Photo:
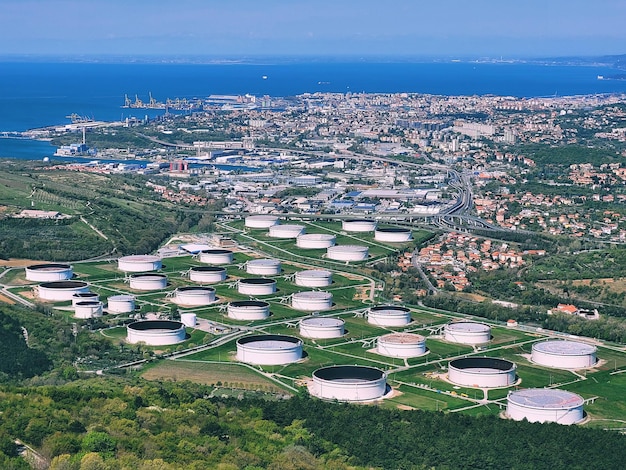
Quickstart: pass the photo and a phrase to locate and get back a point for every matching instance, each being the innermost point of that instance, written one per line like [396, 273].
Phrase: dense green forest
[128, 424]
[53, 240]
[545, 155]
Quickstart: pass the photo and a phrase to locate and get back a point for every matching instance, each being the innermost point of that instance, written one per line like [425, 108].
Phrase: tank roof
[316, 273]
[348, 373]
[154, 325]
[63, 285]
[402, 338]
[322, 321]
[48, 267]
[564, 347]
[313, 295]
[208, 269]
[467, 326]
[270, 341]
[257, 281]
[249, 303]
[264, 262]
[483, 363]
[140, 258]
[545, 398]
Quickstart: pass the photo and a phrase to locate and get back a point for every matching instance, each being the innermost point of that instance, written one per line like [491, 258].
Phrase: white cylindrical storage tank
[315, 240]
[194, 295]
[58, 291]
[248, 310]
[49, 272]
[482, 372]
[358, 225]
[311, 301]
[314, 278]
[261, 221]
[401, 345]
[216, 256]
[347, 252]
[263, 267]
[88, 309]
[84, 297]
[348, 383]
[256, 286]
[139, 263]
[269, 349]
[389, 315]
[392, 234]
[322, 327]
[545, 405]
[562, 354]
[148, 281]
[207, 274]
[188, 319]
[286, 231]
[121, 303]
[156, 332]
[467, 332]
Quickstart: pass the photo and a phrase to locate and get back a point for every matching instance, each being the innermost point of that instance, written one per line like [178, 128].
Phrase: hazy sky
[510, 28]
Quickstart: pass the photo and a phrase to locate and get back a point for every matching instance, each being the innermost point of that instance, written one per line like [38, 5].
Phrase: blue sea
[42, 94]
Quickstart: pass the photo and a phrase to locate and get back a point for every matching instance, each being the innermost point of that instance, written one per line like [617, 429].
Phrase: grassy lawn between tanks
[234, 375]
[423, 399]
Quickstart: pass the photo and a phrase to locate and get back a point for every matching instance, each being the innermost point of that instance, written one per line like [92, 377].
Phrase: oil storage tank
[401, 345]
[188, 319]
[122, 303]
[248, 310]
[467, 332]
[313, 241]
[207, 274]
[269, 349]
[347, 253]
[545, 405]
[84, 297]
[564, 354]
[147, 281]
[314, 278]
[256, 286]
[260, 221]
[358, 225]
[156, 332]
[392, 234]
[59, 291]
[286, 231]
[139, 263]
[322, 327]
[263, 267]
[216, 256]
[311, 301]
[389, 315]
[49, 272]
[194, 296]
[482, 372]
[348, 383]
[88, 309]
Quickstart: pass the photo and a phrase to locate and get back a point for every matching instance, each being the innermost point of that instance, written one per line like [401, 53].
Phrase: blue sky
[520, 28]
